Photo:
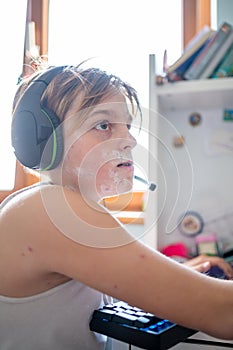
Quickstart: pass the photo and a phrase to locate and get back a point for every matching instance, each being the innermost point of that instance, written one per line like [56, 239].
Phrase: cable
[208, 342]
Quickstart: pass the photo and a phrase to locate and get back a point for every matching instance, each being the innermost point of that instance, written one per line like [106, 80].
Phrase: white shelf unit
[206, 93]
[202, 175]
[198, 175]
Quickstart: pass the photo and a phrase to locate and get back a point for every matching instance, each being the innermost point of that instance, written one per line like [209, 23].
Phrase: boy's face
[98, 158]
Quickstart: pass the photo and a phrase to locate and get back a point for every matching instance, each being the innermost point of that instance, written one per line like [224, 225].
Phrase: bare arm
[90, 246]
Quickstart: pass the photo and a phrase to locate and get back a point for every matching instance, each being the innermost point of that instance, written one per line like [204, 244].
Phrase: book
[191, 51]
[178, 73]
[207, 61]
[225, 68]
[218, 57]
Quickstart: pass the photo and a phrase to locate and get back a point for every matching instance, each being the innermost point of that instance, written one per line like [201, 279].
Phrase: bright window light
[11, 63]
[118, 35]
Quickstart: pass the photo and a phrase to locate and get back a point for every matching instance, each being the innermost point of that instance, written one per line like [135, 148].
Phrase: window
[118, 34]
[11, 63]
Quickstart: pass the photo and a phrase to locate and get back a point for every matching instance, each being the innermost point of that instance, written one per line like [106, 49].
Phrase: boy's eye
[102, 126]
[128, 126]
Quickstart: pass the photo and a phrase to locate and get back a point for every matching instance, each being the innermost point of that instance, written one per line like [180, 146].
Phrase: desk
[117, 345]
[218, 344]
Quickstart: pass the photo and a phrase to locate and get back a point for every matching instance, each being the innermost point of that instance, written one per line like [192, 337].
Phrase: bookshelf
[203, 180]
[199, 171]
[195, 93]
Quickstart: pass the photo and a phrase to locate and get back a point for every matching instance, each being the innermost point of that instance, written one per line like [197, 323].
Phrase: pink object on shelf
[206, 237]
[176, 249]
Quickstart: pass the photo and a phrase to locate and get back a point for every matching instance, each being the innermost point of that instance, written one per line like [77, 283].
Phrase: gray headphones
[36, 137]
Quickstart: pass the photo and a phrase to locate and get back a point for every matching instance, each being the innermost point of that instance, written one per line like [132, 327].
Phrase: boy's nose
[127, 140]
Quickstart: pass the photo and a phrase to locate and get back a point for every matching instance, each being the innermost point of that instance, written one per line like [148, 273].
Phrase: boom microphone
[151, 185]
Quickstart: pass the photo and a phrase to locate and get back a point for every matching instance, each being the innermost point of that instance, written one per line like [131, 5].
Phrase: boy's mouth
[125, 164]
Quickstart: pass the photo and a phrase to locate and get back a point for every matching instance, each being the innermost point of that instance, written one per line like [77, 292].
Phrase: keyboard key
[104, 314]
[122, 317]
[142, 322]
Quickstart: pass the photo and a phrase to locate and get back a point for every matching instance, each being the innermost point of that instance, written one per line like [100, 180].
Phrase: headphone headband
[36, 133]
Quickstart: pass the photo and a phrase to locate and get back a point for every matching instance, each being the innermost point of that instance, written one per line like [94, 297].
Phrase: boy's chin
[120, 189]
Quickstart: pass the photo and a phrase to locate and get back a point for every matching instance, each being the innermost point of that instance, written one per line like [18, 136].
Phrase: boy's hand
[203, 263]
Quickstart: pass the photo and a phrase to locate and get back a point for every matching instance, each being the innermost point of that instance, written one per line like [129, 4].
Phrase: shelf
[206, 93]
[196, 177]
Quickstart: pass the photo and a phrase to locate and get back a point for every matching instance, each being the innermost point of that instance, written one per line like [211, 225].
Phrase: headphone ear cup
[36, 133]
[53, 151]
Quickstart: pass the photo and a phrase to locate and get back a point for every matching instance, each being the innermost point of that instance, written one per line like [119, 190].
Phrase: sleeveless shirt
[57, 319]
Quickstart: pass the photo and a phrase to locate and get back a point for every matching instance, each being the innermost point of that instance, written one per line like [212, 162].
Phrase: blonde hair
[93, 85]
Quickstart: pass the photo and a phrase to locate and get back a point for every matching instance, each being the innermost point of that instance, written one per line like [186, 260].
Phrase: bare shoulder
[58, 222]
[59, 231]
[80, 222]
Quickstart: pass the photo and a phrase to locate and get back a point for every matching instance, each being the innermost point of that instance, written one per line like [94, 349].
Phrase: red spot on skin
[142, 256]
[22, 254]
[30, 249]
[115, 286]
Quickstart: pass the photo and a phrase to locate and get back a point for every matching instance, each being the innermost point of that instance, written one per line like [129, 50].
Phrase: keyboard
[132, 325]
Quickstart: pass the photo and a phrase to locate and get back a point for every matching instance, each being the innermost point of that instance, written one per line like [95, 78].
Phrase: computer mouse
[217, 272]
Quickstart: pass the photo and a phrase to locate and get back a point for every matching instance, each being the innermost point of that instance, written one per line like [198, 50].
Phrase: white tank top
[57, 319]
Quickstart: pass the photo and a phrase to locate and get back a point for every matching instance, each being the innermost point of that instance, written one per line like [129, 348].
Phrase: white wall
[224, 11]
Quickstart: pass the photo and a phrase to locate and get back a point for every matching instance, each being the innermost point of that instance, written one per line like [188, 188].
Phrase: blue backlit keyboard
[134, 326]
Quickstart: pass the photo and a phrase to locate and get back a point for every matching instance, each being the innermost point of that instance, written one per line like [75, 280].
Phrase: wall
[224, 11]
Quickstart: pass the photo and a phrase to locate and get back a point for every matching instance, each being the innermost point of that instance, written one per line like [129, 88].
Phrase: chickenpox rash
[115, 177]
[112, 154]
[30, 249]
[104, 189]
[142, 256]
[81, 172]
[115, 286]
